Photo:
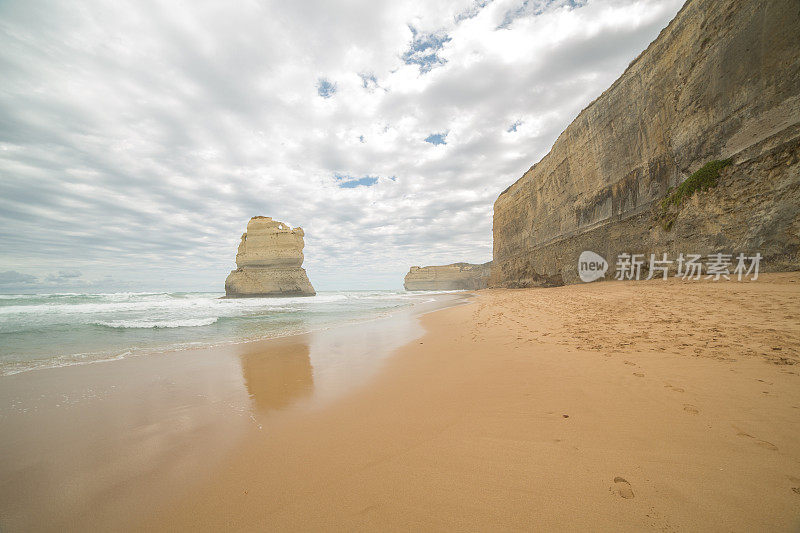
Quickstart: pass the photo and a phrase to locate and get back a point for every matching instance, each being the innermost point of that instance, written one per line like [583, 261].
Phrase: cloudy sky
[138, 137]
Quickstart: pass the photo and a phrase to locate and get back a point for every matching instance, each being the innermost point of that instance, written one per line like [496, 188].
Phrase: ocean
[52, 330]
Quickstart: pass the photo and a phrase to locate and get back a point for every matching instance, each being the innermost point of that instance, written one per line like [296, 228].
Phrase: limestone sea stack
[269, 262]
[458, 276]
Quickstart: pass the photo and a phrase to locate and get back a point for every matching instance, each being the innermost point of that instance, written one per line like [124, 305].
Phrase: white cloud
[11, 279]
[137, 138]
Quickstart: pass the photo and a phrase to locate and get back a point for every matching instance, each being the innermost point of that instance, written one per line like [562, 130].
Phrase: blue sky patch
[325, 88]
[528, 9]
[514, 126]
[424, 48]
[350, 182]
[472, 11]
[368, 80]
[436, 138]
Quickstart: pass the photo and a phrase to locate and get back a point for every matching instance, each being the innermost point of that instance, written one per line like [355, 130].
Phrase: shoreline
[111, 355]
[611, 406]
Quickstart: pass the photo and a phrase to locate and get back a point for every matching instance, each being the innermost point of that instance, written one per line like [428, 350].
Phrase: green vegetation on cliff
[703, 179]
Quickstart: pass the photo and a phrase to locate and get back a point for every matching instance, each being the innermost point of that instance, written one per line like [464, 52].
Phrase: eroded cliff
[722, 80]
[269, 262]
[458, 276]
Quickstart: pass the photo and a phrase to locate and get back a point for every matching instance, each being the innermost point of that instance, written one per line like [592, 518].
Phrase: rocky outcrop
[269, 262]
[721, 81]
[458, 276]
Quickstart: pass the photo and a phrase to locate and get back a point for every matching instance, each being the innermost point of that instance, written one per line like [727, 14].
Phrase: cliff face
[269, 262]
[458, 276]
[721, 81]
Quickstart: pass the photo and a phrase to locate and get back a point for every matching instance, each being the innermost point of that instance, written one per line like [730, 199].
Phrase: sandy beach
[611, 406]
[400, 266]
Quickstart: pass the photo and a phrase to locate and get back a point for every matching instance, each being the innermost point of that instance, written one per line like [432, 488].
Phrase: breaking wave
[187, 323]
[46, 330]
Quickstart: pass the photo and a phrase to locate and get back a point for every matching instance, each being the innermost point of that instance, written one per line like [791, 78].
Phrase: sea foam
[46, 330]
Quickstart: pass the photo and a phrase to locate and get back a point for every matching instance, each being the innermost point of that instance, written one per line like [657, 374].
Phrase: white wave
[141, 315]
[165, 302]
[31, 296]
[143, 324]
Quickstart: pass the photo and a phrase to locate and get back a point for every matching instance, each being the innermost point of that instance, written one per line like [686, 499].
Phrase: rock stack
[269, 262]
[458, 276]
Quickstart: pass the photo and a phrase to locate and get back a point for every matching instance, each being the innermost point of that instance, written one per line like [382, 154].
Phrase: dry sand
[611, 406]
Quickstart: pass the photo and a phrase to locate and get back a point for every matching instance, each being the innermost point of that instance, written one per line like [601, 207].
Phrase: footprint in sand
[689, 408]
[762, 443]
[767, 445]
[759, 442]
[622, 487]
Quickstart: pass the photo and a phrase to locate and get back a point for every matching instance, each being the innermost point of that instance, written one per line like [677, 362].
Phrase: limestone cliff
[722, 80]
[269, 262]
[458, 276]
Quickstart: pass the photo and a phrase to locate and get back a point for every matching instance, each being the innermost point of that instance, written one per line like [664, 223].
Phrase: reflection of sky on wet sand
[346, 357]
[278, 374]
[309, 370]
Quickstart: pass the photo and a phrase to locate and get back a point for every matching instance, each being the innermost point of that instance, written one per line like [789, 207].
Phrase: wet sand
[610, 406]
[102, 446]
